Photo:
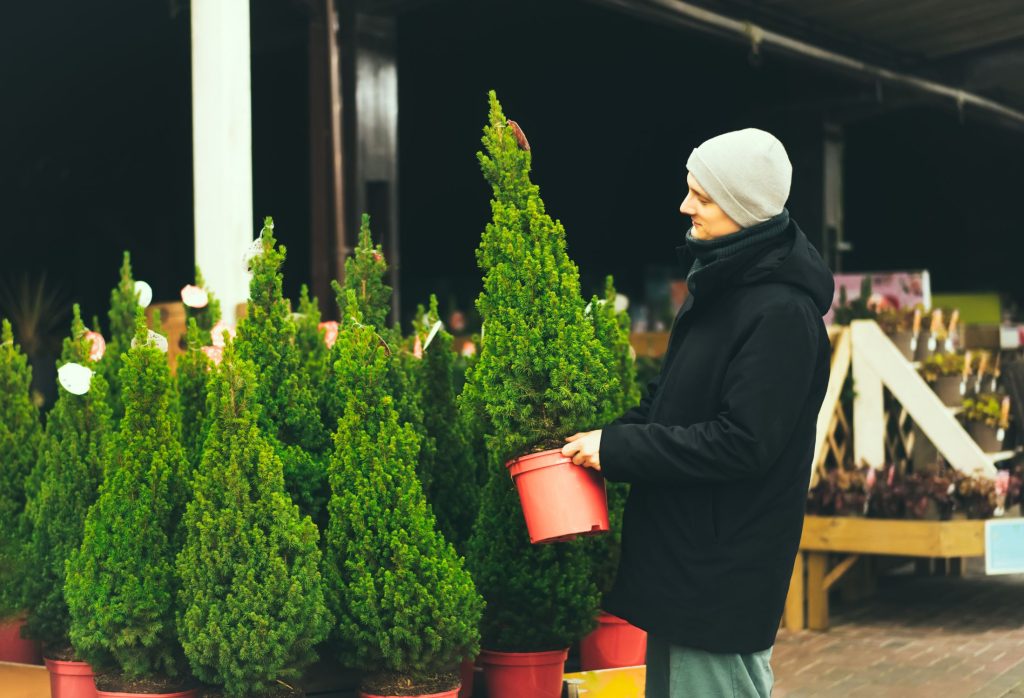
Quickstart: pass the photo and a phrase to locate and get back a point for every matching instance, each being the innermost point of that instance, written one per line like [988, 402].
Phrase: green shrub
[251, 601]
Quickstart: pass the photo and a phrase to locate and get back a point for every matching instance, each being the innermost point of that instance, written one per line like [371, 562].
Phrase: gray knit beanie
[747, 173]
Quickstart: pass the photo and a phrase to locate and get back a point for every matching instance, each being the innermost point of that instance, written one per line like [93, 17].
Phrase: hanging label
[145, 292]
[75, 378]
[214, 354]
[330, 330]
[217, 333]
[194, 297]
[153, 339]
[433, 333]
[1004, 546]
[97, 345]
[254, 250]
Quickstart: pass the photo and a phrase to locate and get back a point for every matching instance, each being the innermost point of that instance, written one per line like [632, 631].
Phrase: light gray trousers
[682, 672]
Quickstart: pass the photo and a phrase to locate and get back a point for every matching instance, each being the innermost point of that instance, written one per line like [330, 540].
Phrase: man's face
[709, 220]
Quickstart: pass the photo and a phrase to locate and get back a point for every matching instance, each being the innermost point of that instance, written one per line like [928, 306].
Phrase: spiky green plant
[407, 610]
[541, 376]
[251, 601]
[192, 377]
[208, 316]
[124, 301]
[20, 437]
[121, 584]
[289, 411]
[68, 474]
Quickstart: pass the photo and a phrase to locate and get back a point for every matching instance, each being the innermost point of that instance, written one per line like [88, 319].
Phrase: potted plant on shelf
[840, 492]
[986, 418]
[903, 327]
[124, 300]
[251, 603]
[541, 376]
[71, 464]
[20, 436]
[121, 584]
[944, 372]
[407, 611]
[975, 497]
[614, 643]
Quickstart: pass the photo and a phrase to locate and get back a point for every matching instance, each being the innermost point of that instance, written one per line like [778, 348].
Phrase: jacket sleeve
[763, 392]
[640, 413]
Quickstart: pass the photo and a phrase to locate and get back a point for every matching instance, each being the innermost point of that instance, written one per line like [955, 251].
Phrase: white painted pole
[222, 146]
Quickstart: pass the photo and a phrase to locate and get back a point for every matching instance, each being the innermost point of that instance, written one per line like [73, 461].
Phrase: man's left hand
[585, 449]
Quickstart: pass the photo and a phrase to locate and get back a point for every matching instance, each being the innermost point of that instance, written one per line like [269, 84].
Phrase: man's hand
[585, 449]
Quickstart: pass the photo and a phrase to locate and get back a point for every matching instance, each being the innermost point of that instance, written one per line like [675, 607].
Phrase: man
[719, 452]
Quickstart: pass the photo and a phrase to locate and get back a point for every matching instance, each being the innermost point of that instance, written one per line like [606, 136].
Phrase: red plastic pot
[70, 679]
[560, 500]
[190, 693]
[524, 674]
[466, 672]
[15, 648]
[613, 644]
[454, 693]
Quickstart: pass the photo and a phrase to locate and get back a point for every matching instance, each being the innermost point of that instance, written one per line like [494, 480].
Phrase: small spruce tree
[289, 411]
[541, 376]
[124, 300]
[251, 601]
[69, 471]
[451, 472]
[364, 275]
[406, 608]
[20, 436]
[121, 584]
[611, 327]
[192, 377]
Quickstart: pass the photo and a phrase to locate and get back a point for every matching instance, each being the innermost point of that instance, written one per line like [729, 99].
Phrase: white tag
[433, 331]
[254, 250]
[154, 339]
[194, 297]
[217, 333]
[145, 292]
[75, 378]
[97, 345]
[621, 303]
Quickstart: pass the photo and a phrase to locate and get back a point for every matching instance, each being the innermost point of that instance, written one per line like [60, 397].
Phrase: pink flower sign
[330, 330]
[217, 333]
[97, 345]
[194, 297]
[214, 354]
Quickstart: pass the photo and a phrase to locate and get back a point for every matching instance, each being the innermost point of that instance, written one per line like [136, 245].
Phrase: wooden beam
[794, 614]
[817, 592]
[839, 570]
[841, 353]
[879, 361]
[893, 537]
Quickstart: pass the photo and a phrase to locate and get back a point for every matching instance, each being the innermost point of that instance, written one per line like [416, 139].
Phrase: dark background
[95, 145]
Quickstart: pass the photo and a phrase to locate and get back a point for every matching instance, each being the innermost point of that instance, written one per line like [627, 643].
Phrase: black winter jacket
[719, 454]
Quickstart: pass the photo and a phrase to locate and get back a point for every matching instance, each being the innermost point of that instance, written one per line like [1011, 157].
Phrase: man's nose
[686, 208]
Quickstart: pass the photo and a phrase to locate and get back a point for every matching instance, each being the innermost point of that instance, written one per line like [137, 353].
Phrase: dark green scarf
[708, 253]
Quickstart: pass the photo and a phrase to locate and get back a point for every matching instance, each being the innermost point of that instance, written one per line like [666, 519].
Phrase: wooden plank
[868, 407]
[839, 570]
[627, 682]
[794, 610]
[24, 681]
[841, 353]
[878, 358]
[817, 593]
[893, 537]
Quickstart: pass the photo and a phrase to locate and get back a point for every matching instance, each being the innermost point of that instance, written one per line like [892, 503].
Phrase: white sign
[75, 378]
[1004, 546]
[145, 292]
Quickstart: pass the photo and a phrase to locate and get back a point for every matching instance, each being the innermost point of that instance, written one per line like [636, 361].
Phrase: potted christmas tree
[407, 611]
[121, 584]
[20, 436]
[615, 643]
[68, 475]
[540, 377]
[251, 601]
[289, 413]
[192, 377]
[200, 304]
[453, 471]
[124, 299]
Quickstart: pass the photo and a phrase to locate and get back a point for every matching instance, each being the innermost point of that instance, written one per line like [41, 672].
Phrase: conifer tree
[207, 316]
[20, 437]
[251, 601]
[364, 276]
[406, 608]
[541, 376]
[289, 411]
[192, 377]
[121, 583]
[611, 327]
[69, 471]
[450, 473]
[124, 300]
[311, 341]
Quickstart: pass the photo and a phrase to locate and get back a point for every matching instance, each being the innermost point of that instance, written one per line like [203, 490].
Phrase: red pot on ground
[466, 672]
[524, 674]
[613, 644]
[560, 500]
[70, 679]
[190, 693]
[443, 694]
[15, 648]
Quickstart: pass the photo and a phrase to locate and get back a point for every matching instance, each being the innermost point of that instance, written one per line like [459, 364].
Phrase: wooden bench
[846, 539]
